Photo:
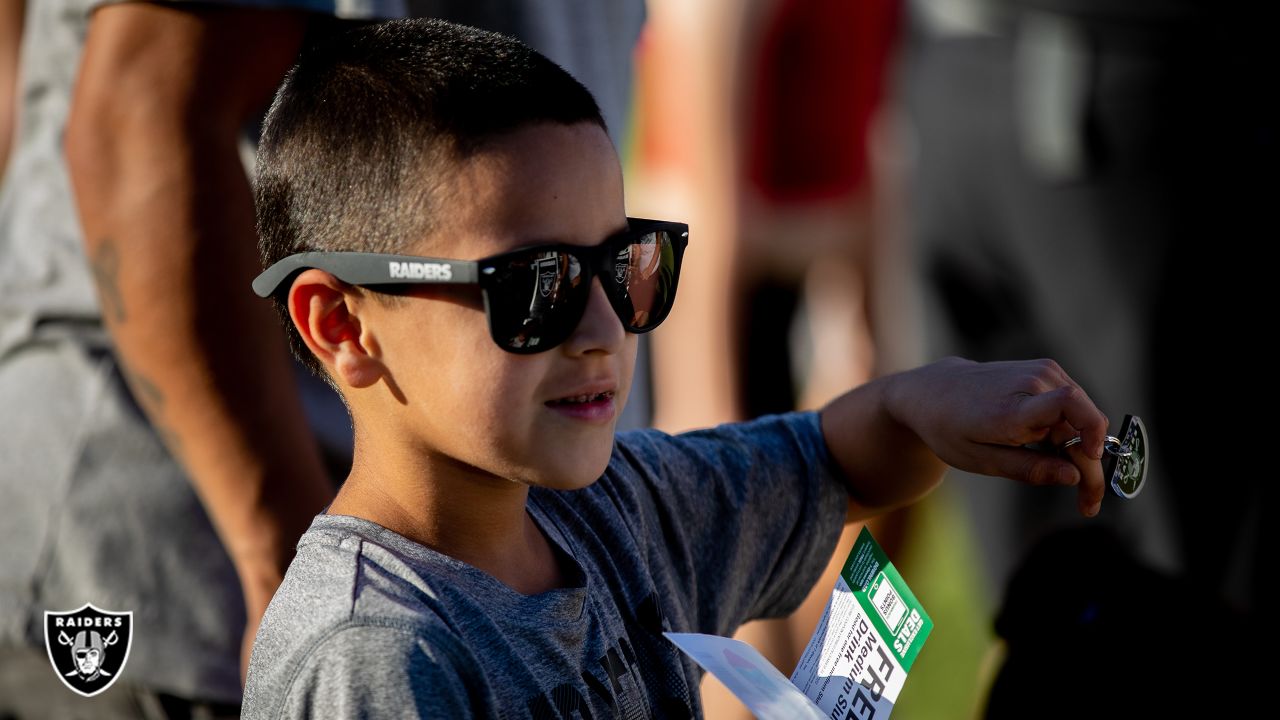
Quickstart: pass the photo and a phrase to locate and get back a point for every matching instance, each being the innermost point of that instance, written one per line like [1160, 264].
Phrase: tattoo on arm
[151, 395]
[105, 265]
[152, 398]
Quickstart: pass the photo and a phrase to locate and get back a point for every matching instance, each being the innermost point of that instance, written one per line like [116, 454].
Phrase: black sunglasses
[534, 297]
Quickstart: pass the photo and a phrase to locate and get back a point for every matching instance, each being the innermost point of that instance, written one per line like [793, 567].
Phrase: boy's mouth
[583, 399]
[593, 402]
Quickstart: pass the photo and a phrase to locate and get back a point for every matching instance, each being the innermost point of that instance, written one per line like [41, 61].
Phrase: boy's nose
[599, 330]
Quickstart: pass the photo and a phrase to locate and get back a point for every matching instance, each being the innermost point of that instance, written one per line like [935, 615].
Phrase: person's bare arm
[12, 15]
[894, 436]
[690, 95]
[167, 214]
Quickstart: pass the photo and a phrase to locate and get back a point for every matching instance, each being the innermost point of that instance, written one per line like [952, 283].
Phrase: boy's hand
[977, 417]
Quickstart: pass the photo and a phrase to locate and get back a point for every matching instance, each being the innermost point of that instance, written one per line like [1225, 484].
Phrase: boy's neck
[456, 510]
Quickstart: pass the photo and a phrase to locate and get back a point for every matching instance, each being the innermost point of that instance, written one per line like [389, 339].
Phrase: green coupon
[867, 640]
[856, 661]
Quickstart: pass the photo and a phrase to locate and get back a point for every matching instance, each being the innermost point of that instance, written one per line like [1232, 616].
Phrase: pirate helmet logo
[548, 269]
[622, 265]
[88, 647]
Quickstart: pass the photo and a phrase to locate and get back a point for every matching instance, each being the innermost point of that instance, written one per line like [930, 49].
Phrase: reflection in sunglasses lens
[536, 299]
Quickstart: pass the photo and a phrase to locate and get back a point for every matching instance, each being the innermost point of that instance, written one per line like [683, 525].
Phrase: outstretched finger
[1067, 404]
[1092, 484]
[1027, 466]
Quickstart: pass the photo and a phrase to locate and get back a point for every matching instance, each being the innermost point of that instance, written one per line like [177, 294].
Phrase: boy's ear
[326, 312]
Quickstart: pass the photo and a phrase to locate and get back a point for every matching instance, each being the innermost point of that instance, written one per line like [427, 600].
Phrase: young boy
[442, 218]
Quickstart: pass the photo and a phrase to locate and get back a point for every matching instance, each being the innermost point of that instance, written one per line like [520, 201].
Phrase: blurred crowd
[870, 185]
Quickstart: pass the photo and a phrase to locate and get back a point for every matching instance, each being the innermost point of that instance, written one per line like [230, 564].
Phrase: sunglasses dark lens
[535, 300]
[643, 280]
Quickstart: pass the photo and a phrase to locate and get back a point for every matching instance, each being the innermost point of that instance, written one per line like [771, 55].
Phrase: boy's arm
[894, 436]
[167, 213]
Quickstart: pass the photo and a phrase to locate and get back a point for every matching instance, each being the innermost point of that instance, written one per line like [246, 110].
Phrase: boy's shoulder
[653, 452]
[349, 570]
[356, 601]
[654, 475]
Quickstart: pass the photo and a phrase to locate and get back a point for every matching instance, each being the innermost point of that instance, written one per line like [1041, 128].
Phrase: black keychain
[1124, 458]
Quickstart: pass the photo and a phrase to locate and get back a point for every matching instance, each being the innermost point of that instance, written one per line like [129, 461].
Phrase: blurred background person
[1052, 626]
[768, 158]
[135, 351]
[11, 14]
[95, 503]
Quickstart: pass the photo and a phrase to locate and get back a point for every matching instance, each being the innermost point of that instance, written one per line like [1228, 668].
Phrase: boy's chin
[563, 483]
[571, 476]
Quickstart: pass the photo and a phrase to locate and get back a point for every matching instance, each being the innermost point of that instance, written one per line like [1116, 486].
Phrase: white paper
[754, 680]
[846, 669]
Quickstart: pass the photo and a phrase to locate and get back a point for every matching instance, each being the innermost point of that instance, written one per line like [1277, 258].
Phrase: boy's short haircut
[357, 145]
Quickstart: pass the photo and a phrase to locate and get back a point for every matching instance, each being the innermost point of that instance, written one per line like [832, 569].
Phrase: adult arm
[167, 213]
[12, 15]
[894, 436]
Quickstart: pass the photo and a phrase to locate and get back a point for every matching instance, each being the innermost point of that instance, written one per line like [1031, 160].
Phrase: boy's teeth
[585, 398]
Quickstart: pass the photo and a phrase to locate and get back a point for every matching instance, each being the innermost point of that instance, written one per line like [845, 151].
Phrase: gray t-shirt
[698, 532]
